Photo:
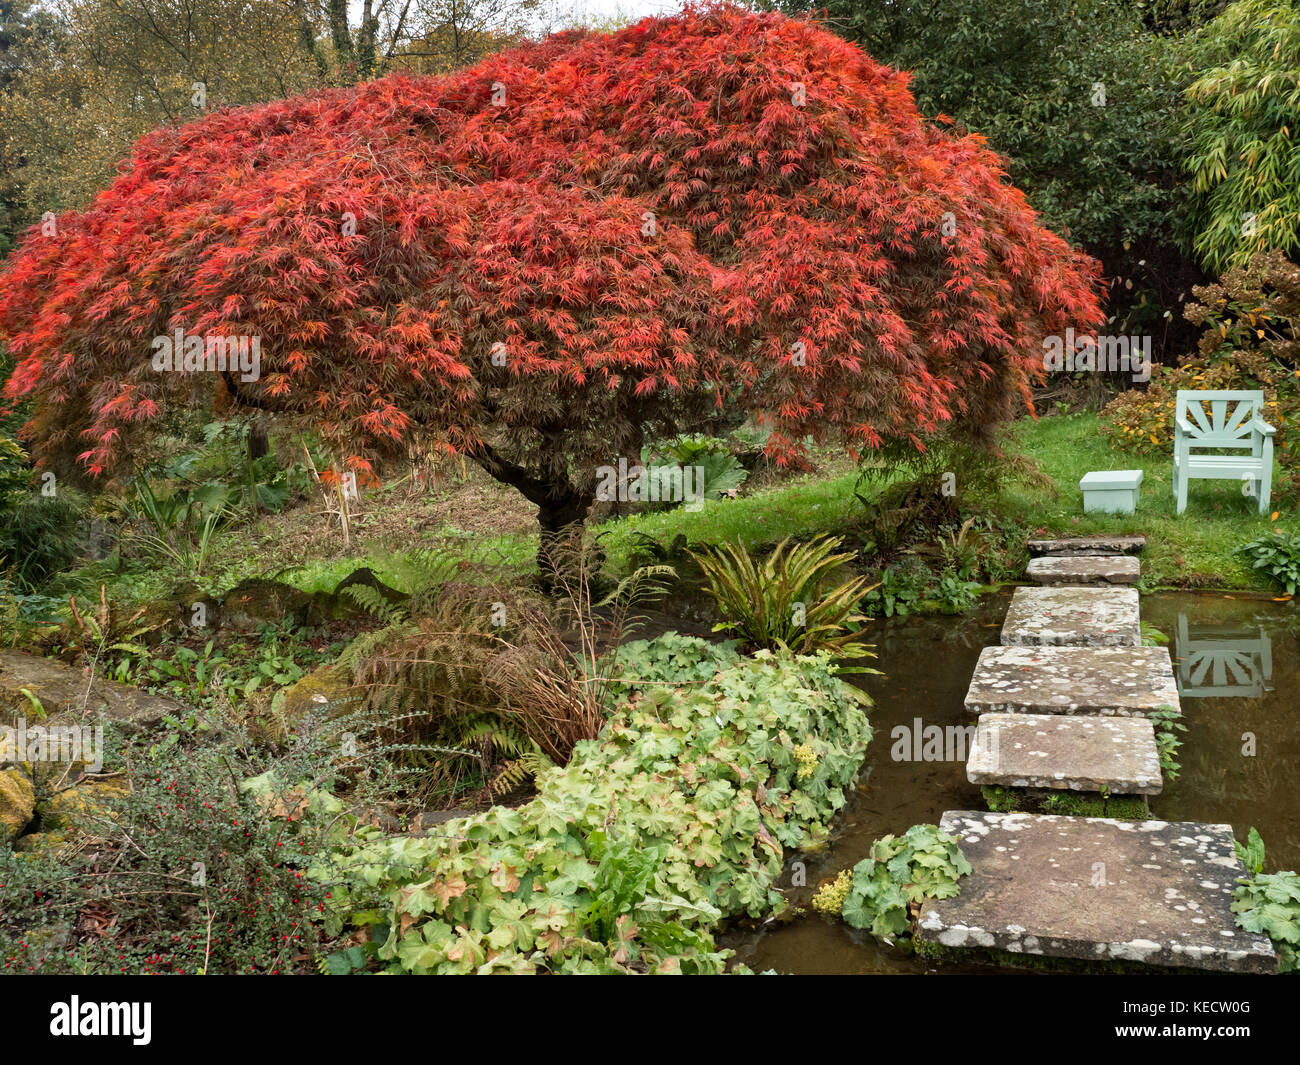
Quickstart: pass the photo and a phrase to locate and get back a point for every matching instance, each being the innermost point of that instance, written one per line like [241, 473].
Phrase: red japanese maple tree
[539, 260]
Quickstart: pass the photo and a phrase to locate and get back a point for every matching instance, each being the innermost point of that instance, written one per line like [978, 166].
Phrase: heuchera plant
[679, 815]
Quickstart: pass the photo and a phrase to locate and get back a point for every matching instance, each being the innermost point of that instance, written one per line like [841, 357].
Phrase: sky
[634, 8]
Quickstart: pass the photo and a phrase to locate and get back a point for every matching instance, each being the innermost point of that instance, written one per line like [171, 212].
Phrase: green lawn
[804, 507]
[1196, 548]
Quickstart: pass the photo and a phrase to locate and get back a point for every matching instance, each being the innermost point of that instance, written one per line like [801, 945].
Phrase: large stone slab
[1072, 616]
[1088, 887]
[1089, 545]
[1084, 569]
[1117, 755]
[68, 695]
[1120, 681]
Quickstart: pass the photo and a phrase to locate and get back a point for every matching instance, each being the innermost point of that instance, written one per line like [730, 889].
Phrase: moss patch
[1068, 804]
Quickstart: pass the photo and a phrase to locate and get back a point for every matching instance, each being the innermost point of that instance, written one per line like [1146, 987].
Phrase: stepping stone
[1118, 681]
[1116, 755]
[1072, 616]
[1089, 545]
[1155, 892]
[1085, 569]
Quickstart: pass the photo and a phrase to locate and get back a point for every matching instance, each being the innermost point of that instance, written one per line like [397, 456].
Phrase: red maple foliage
[539, 260]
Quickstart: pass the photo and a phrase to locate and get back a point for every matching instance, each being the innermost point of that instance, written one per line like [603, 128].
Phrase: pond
[1238, 667]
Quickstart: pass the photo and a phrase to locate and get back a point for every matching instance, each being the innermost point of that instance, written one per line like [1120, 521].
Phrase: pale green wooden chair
[1222, 421]
[1221, 663]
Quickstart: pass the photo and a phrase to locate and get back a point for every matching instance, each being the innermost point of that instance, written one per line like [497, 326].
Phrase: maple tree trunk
[259, 442]
[561, 507]
[562, 520]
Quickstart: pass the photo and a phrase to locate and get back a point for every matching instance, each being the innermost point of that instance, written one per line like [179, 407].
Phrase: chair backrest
[1220, 419]
[1222, 662]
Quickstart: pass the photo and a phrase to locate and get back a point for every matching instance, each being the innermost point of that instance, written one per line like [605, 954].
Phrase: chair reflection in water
[1217, 661]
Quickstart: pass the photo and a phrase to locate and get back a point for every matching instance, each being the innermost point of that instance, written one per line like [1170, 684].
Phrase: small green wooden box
[1110, 491]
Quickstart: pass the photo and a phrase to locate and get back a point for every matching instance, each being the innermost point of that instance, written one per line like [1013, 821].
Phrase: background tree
[21, 24]
[541, 260]
[1243, 132]
[113, 69]
[442, 35]
[1177, 17]
[1083, 100]
[101, 73]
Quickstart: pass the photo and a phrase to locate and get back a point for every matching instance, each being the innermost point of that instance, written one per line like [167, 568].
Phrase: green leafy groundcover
[1269, 903]
[678, 816]
[898, 875]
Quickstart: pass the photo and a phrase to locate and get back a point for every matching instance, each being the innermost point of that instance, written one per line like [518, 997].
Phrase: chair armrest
[1183, 426]
[1261, 426]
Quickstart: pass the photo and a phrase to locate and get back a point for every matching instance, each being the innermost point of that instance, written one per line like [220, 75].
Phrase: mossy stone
[17, 803]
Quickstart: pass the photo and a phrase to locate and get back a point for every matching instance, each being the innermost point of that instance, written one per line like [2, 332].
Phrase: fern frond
[374, 602]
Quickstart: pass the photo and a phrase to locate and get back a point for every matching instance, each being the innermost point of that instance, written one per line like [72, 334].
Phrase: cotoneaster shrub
[174, 867]
[714, 777]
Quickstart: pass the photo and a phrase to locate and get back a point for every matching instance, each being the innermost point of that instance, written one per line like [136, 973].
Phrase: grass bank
[1195, 549]
[482, 520]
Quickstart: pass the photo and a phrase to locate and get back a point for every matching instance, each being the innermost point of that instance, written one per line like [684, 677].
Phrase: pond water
[1238, 666]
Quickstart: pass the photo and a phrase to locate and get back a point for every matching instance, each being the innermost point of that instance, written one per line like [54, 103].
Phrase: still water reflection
[1238, 667]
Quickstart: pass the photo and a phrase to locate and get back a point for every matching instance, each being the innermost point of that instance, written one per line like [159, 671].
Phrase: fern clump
[779, 601]
[476, 683]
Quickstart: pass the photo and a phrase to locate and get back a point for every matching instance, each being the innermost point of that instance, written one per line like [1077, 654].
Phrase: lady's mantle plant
[677, 816]
[890, 884]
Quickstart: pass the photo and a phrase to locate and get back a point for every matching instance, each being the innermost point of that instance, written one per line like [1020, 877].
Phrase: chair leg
[1180, 491]
[1266, 472]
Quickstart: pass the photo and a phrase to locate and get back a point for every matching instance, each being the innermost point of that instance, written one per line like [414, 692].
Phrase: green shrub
[1278, 555]
[206, 675]
[1250, 340]
[954, 595]
[23, 614]
[670, 659]
[720, 471]
[1240, 128]
[1270, 903]
[15, 476]
[40, 536]
[1142, 422]
[706, 778]
[1024, 73]
[901, 590]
